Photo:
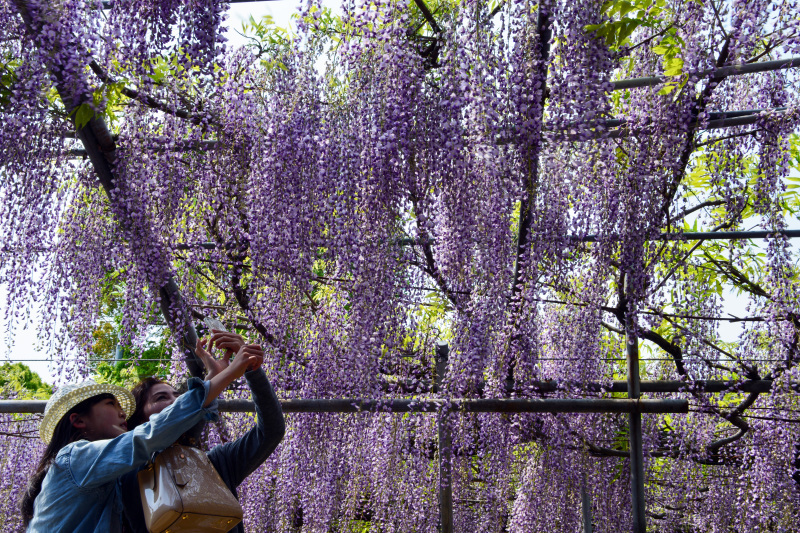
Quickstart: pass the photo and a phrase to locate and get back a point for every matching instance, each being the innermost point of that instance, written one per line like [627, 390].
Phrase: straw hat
[71, 395]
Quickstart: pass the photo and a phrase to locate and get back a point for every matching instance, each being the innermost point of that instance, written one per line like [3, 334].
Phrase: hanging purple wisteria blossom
[496, 176]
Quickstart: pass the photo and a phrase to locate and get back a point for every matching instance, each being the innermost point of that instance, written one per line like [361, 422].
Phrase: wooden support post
[639, 524]
[445, 448]
[445, 475]
[586, 508]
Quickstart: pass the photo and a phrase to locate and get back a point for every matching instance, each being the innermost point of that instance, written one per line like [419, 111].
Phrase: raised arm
[245, 357]
[94, 463]
[238, 459]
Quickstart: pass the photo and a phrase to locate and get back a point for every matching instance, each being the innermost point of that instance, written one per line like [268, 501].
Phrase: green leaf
[668, 88]
[625, 8]
[674, 67]
[83, 114]
[627, 28]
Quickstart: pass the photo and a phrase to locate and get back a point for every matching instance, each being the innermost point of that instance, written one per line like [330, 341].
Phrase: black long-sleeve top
[233, 460]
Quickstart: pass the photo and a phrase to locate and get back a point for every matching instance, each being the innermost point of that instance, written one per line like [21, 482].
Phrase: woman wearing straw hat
[89, 446]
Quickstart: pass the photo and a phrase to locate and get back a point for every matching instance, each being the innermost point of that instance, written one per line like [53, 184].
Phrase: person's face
[159, 397]
[105, 420]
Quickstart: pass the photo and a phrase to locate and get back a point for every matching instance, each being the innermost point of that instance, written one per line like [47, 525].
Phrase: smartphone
[213, 323]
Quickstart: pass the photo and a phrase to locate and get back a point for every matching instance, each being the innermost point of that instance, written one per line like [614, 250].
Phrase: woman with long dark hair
[235, 460]
[89, 447]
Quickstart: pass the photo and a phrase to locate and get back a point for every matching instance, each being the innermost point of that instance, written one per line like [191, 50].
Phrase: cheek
[156, 407]
[149, 410]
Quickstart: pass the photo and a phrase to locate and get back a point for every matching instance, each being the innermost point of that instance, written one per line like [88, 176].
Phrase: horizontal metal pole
[731, 122]
[687, 235]
[205, 245]
[344, 405]
[712, 124]
[614, 128]
[704, 236]
[22, 406]
[716, 120]
[730, 235]
[108, 4]
[709, 386]
[487, 405]
[713, 118]
[470, 406]
[179, 146]
[661, 386]
[733, 70]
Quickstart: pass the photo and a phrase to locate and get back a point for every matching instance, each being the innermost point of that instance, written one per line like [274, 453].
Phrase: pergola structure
[99, 146]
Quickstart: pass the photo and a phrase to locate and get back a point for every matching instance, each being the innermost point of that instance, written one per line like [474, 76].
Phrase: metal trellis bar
[425, 405]
[658, 386]
[687, 235]
[675, 236]
[608, 129]
[733, 70]
[713, 115]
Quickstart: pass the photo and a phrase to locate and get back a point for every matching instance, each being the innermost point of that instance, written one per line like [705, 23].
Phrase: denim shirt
[80, 492]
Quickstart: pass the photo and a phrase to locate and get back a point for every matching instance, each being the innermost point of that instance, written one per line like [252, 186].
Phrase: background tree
[19, 381]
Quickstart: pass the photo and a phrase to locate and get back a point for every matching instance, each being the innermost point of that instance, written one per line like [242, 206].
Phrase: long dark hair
[140, 393]
[64, 433]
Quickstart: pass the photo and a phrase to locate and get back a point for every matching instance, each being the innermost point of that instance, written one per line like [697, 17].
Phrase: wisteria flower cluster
[497, 176]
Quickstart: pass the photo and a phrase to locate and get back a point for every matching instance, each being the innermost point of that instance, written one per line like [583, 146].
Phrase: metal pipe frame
[445, 447]
[712, 116]
[445, 476]
[709, 235]
[661, 386]
[611, 129]
[100, 148]
[586, 508]
[687, 235]
[665, 386]
[433, 405]
[715, 73]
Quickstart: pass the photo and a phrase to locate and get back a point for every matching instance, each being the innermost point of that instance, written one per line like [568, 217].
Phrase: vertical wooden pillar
[445, 477]
[586, 508]
[639, 524]
[445, 448]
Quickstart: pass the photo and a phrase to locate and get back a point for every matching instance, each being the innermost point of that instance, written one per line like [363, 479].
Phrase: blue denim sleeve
[92, 464]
